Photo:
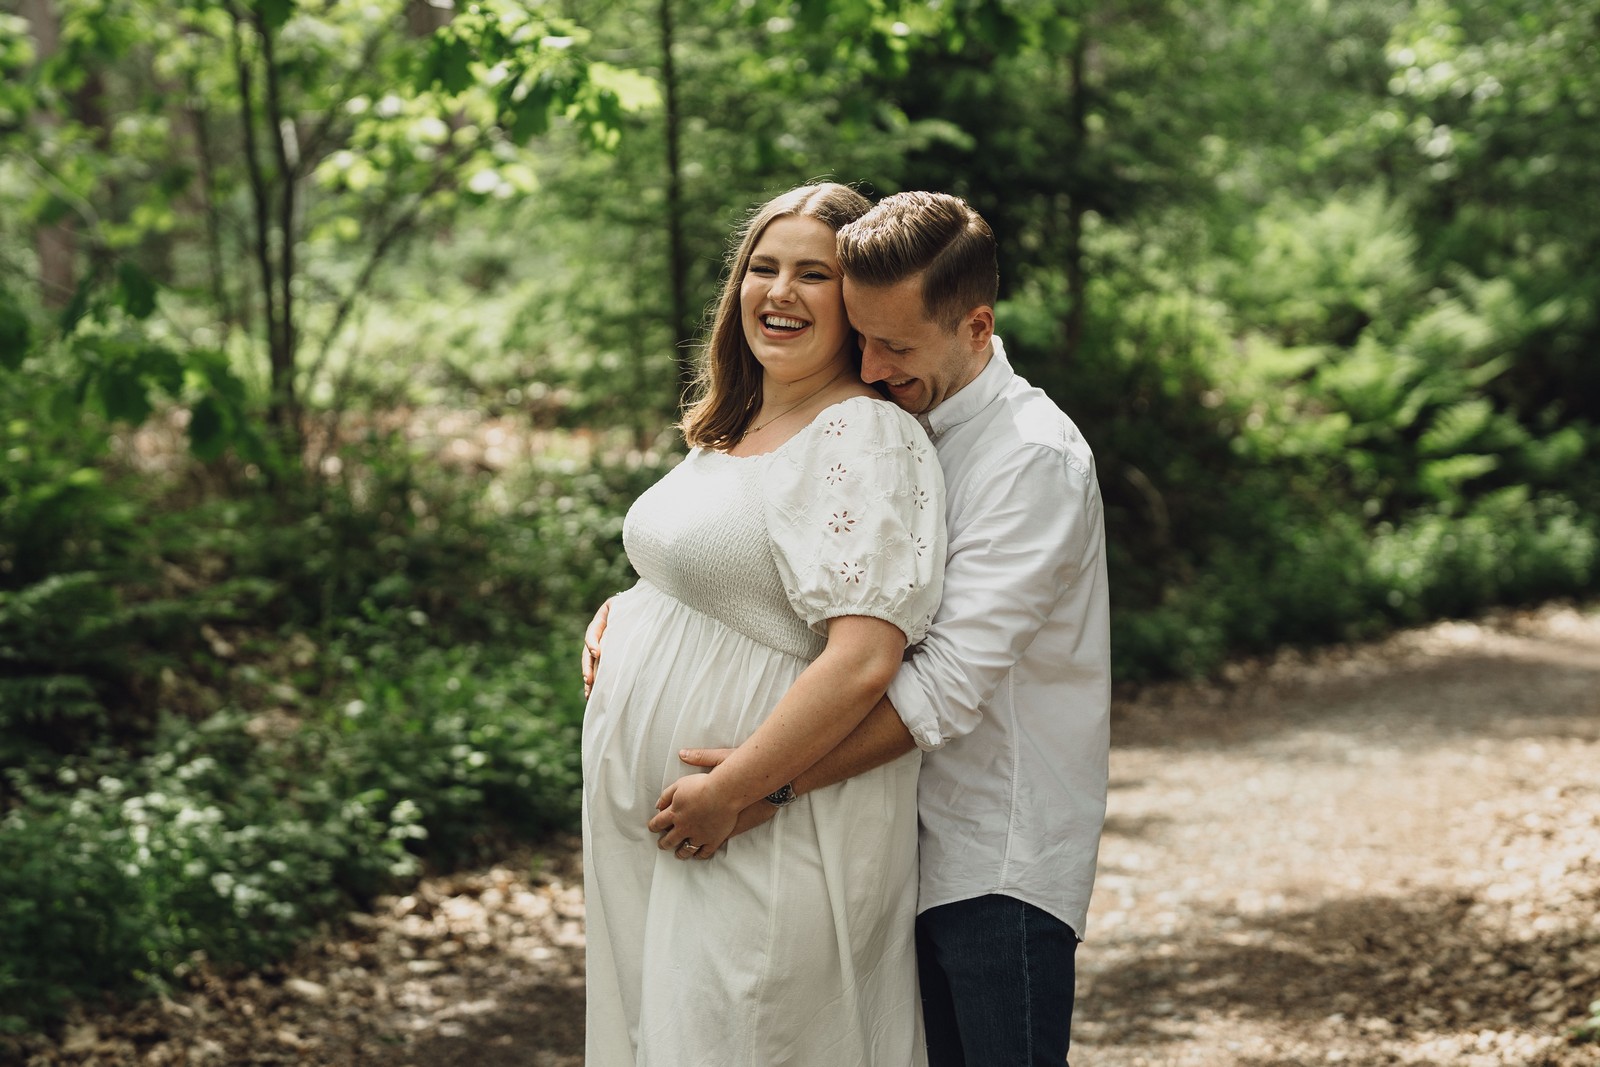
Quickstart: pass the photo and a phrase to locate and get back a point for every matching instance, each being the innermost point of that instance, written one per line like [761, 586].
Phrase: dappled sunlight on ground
[1386, 854]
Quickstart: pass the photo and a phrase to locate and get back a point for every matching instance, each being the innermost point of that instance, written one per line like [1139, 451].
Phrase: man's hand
[591, 645]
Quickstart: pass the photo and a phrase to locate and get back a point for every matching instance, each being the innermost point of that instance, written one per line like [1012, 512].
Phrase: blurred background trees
[335, 339]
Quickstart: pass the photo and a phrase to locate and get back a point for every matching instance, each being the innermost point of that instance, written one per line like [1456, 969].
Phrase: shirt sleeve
[1019, 543]
[855, 513]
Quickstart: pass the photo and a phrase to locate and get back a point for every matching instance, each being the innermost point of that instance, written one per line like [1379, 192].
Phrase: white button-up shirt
[1010, 694]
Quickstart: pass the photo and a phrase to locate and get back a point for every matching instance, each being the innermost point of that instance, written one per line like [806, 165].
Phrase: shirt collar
[972, 397]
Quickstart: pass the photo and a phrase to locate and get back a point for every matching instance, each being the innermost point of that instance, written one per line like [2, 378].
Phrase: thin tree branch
[258, 187]
[398, 227]
[323, 132]
[286, 227]
[213, 217]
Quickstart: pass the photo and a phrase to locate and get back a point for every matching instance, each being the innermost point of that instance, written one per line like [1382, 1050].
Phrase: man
[1009, 694]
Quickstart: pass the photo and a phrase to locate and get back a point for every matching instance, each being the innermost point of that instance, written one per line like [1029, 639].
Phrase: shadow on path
[1478, 683]
[535, 1026]
[1429, 962]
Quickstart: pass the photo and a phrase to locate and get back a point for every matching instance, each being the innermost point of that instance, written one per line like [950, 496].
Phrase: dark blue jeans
[997, 982]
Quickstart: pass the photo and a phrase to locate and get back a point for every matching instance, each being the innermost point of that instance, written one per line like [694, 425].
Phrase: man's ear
[978, 327]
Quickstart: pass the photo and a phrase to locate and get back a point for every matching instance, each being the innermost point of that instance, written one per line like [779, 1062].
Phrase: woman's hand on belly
[751, 817]
[693, 818]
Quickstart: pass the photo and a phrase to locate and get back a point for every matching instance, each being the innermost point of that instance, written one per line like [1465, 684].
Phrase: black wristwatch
[782, 795]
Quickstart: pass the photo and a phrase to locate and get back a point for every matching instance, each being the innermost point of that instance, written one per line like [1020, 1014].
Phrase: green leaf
[448, 66]
[212, 365]
[207, 429]
[814, 15]
[530, 117]
[16, 333]
[633, 91]
[78, 306]
[160, 366]
[123, 394]
[136, 291]
[1443, 478]
[274, 13]
[52, 211]
[1456, 427]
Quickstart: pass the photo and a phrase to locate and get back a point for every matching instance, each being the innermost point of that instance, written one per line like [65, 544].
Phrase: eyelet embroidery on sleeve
[865, 472]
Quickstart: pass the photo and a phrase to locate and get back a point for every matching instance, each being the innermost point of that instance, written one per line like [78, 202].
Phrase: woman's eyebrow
[768, 258]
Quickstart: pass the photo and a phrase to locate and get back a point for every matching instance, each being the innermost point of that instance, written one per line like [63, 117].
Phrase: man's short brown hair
[935, 235]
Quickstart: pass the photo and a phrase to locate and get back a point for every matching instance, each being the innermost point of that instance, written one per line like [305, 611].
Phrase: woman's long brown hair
[727, 389]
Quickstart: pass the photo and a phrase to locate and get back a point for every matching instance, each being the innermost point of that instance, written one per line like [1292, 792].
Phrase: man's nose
[874, 367]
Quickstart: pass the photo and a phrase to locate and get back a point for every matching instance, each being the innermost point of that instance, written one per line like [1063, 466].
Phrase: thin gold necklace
[791, 407]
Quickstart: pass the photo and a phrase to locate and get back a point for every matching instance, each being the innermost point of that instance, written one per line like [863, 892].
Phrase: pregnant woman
[784, 566]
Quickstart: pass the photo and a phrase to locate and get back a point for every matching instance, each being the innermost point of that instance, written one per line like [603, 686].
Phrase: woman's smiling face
[792, 300]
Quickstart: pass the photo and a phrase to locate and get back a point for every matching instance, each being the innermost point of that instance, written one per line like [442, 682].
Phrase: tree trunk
[683, 328]
[279, 134]
[271, 235]
[55, 242]
[1072, 328]
[423, 17]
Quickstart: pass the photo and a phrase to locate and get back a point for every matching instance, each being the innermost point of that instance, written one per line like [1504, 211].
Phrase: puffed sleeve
[855, 512]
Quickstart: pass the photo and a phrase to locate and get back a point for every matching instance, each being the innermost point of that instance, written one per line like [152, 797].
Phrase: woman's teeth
[778, 322]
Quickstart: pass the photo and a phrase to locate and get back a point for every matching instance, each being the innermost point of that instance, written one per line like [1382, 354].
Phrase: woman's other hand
[591, 645]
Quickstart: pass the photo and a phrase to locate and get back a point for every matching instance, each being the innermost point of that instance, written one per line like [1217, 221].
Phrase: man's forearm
[881, 738]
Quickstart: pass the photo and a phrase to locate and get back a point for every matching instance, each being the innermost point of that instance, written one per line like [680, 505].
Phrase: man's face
[919, 362]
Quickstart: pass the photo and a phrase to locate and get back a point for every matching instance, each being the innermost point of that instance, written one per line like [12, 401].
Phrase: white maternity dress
[793, 944]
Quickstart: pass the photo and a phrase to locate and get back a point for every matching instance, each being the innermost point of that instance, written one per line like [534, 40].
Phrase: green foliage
[243, 834]
[485, 749]
[1492, 103]
[1330, 473]
[1588, 1031]
[1317, 281]
[62, 643]
[116, 873]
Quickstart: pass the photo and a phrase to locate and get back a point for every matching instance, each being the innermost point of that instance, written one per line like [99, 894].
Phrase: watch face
[784, 794]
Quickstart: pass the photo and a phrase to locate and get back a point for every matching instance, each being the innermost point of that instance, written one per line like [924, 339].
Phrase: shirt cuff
[915, 711]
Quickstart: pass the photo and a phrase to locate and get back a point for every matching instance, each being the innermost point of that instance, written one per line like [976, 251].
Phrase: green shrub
[118, 871]
[486, 747]
[1322, 454]
[410, 741]
[237, 838]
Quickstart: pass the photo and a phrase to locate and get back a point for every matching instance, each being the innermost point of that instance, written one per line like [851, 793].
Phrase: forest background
[337, 335]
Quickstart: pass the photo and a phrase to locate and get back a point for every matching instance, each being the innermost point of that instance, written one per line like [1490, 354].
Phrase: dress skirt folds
[794, 943]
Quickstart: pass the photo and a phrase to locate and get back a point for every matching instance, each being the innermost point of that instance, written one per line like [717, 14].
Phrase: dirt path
[1387, 854]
